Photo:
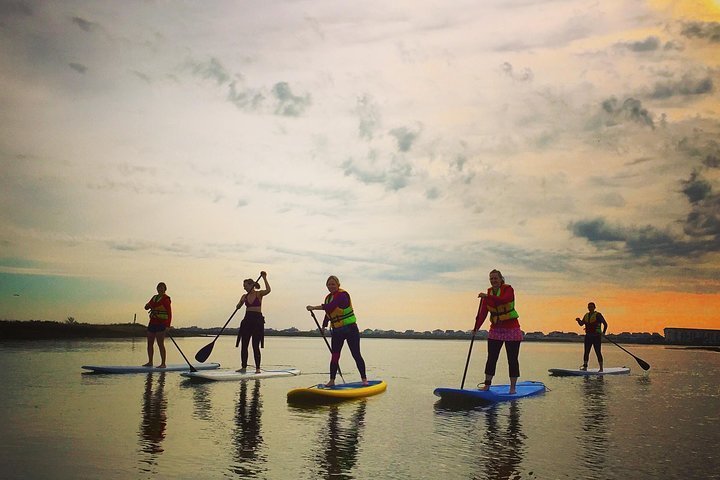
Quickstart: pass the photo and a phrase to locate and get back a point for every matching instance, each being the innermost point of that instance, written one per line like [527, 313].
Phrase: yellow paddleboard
[322, 394]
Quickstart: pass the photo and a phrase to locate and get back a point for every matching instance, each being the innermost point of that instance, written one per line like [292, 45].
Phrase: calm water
[60, 423]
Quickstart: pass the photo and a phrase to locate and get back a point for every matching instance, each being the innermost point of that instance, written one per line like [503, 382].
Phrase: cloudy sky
[408, 147]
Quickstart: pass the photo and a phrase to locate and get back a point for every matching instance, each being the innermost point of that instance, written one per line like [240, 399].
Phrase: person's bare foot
[512, 391]
[162, 365]
[257, 370]
[241, 370]
[331, 383]
[365, 382]
[148, 364]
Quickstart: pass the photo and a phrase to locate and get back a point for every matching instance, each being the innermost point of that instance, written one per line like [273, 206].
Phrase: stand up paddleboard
[497, 393]
[319, 394]
[180, 367]
[576, 372]
[226, 375]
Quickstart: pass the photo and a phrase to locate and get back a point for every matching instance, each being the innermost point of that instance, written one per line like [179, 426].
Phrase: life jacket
[340, 316]
[591, 323]
[502, 312]
[158, 310]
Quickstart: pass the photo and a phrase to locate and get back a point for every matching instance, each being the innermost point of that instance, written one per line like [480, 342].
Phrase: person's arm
[267, 290]
[580, 322]
[148, 305]
[242, 300]
[482, 312]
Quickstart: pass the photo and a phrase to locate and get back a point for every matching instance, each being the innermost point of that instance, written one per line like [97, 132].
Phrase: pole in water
[192, 369]
[467, 362]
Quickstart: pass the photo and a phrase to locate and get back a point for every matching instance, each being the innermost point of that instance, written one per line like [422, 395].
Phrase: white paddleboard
[560, 372]
[180, 367]
[227, 375]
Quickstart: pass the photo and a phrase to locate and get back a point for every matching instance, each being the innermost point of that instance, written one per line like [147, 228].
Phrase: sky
[408, 147]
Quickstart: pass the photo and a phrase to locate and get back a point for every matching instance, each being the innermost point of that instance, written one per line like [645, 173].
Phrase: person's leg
[586, 352]
[597, 343]
[245, 334]
[160, 338]
[256, 338]
[512, 350]
[494, 347]
[150, 342]
[353, 341]
[337, 341]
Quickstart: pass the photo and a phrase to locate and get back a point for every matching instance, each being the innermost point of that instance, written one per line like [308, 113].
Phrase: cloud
[394, 176]
[83, 24]
[650, 44]
[703, 30]
[78, 67]
[289, 104]
[211, 69]
[8, 9]
[525, 76]
[631, 109]
[688, 85]
[369, 117]
[405, 137]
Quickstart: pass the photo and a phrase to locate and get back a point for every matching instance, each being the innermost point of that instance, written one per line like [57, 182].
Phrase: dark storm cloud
[631, 109]
[687, 85]
[80, 68]
[696, 188]
[704, 30]
[289, 104]
[708, 152]
[8, 9]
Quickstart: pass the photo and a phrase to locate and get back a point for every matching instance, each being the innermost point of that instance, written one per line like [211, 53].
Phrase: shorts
[156, 327]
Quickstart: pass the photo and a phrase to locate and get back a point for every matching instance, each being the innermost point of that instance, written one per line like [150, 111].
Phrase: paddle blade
[643, 364]
[204, 353]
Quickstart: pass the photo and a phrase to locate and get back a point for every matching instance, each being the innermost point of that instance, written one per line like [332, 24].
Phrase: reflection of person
[160, 318]
[252, 326]
[504, 447]
[339, 313]
[595, 327]
[154, 414]
[248, 438]
[340, 442]
[595, 431]
[499, 301]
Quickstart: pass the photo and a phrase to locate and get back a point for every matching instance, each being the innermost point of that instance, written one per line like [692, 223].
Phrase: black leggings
[252, 327]
[512, 349]
[351, 333]
[592, 341]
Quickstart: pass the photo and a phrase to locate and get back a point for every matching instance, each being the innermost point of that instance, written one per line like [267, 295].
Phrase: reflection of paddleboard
[322, 394]
[497, 393]
[566, 372]
[233, 375]
[180, 367]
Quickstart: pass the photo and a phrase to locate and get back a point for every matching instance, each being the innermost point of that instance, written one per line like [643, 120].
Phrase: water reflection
[340, 439]
[154, 419]
[593, 437]
[504, 443]
[250, 458]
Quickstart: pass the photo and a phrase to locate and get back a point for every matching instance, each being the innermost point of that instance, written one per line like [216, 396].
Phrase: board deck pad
[566, 372]
[344, 391]
[497, 393]
[228, 375]
[179, 367]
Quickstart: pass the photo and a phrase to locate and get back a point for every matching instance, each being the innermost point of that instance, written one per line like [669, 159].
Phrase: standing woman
[252, 326]
[595, 327]
[499, 301]
[339, 313]
[160, 318]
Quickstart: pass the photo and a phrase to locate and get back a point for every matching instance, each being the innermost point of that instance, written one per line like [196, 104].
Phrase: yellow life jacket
[504, 311]
[158, 310]
[591, 323]
[340, 316]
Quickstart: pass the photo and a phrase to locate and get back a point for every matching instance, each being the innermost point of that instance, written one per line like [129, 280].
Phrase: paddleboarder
[252, 326]
[341, 317]
[595, 328]
[499, 301]
[160, 314]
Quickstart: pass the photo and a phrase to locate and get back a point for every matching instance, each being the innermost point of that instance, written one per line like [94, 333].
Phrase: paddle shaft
[643, 364]
[467, 362]
[205, 352]
[326, 342]
[192, 369]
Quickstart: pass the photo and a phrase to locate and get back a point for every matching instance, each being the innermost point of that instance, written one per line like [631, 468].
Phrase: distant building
[692, 336]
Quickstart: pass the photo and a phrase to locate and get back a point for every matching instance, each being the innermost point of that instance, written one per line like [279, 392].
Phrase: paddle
[643, 364]
[192, 369]
[326, 342]
[204, 353]
[467, 362]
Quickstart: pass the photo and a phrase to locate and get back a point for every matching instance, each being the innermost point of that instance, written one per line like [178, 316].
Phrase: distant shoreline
[42, 329]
